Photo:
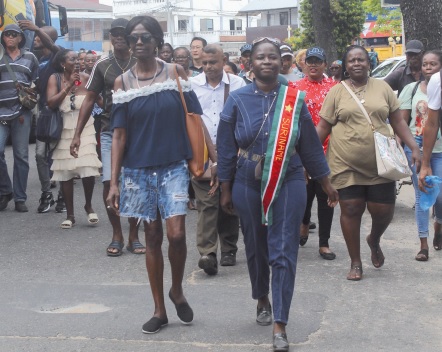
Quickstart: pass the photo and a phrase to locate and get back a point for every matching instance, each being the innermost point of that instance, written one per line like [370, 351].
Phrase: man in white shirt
[212, 88]
[432, 126]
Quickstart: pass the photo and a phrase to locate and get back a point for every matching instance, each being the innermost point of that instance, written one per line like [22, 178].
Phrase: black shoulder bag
[50, 122]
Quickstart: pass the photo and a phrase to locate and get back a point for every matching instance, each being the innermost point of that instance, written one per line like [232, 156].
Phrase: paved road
[60, 292]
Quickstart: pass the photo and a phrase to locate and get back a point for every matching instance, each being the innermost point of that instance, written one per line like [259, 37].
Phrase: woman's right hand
[113, 199]
[75, 76]
[226, 198]
[425, 171]
[75, 146]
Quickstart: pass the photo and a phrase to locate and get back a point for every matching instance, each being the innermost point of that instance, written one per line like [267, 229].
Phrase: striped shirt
[25, 67]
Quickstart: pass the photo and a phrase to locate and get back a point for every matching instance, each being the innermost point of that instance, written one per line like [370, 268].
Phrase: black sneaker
[46, 202]
[61, 206]
[228, 259]
[4, 200]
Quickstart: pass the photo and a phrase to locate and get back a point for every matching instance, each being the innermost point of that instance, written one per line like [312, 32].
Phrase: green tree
[388, 20]
[330, 24]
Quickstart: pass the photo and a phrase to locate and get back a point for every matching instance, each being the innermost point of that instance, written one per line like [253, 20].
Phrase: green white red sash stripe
[280, 146]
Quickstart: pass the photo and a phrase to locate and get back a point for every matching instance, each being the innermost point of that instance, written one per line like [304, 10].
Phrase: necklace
[125, 68]
[155, 75]
[359, 94]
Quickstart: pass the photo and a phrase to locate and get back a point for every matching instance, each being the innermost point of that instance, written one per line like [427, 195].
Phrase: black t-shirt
[102, 79]
[193, 68]
[45, 70]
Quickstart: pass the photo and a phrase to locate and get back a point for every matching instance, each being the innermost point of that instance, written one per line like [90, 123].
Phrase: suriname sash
[280, 146]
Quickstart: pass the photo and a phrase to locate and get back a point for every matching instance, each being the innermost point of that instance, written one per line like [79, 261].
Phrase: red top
[314, 98]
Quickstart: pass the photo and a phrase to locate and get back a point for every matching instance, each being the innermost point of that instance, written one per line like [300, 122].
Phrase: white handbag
[390, 157]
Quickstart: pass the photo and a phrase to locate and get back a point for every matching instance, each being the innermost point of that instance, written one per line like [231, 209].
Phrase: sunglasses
[72, 101]
[11, 34]
[273, 41]
[134, 38]
[314, 62]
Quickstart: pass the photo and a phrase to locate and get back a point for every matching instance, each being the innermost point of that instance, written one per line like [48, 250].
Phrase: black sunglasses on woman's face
[134, 38]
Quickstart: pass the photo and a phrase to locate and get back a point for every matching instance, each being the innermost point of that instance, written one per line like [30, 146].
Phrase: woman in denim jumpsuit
[242, 139]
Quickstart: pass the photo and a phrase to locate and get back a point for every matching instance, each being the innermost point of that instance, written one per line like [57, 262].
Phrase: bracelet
[214, 164]
[64, 90]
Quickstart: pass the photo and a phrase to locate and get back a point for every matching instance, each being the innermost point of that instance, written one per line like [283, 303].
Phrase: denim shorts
[145, 190]
[106, 149]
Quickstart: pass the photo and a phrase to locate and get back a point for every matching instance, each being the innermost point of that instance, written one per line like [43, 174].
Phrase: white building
[217, 21]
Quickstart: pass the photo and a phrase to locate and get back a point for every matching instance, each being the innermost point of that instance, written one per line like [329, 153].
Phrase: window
[74, 34]
[236, 25]
[183, 25]
[283, 18]
[206, 24]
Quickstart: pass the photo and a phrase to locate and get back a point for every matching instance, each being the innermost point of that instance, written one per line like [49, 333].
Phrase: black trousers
[325, 213]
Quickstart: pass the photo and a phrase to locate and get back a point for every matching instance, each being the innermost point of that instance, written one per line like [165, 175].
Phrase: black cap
[315, 52]
[119, 23]
[414, 46]
[286, 50]
[14, 28]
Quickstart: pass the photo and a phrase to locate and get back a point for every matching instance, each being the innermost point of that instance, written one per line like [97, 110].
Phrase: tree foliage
[388, 20]
[348, 20]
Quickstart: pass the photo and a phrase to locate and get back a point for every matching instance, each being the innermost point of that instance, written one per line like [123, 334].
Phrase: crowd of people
[282, 128]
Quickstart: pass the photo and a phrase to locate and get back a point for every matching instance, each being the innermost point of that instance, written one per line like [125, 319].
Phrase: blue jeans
[275, 245]
[19, 128]
[422, 215]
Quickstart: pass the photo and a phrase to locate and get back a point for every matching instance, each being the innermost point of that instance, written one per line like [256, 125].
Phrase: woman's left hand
[332, 193]
[416, 159]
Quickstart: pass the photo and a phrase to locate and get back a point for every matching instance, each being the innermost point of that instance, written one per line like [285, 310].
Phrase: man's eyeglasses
[72, 101]
[314, 62]
[177, 58]
[118, 33]
[134, 38]
[271, 40]
[11, 34]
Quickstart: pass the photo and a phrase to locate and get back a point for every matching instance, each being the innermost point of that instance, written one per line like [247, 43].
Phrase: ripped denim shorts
[145, 190]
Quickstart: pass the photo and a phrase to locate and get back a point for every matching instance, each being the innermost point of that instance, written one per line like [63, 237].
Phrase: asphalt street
[60, 292]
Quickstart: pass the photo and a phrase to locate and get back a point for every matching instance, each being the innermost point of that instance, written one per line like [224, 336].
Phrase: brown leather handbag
[194, 126]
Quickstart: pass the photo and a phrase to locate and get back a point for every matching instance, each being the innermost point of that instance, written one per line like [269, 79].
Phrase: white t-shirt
[433, 92]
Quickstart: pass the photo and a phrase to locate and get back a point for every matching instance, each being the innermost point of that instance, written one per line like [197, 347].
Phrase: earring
[64, 68]
[346, 74]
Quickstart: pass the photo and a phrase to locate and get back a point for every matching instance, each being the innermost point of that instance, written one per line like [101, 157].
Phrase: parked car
[388, 66]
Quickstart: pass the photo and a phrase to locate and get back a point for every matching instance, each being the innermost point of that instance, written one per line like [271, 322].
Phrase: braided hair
[344, 58]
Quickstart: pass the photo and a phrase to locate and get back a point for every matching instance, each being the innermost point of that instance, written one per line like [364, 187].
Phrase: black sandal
[437, 241]
[422, 256]
[358, 269]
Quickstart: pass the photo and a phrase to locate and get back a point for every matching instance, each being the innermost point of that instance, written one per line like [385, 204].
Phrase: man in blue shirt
[44, 41]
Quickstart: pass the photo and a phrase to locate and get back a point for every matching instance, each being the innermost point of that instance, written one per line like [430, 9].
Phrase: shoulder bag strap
[12, 73]
[359, 104]
[183, 101]
[226, 89]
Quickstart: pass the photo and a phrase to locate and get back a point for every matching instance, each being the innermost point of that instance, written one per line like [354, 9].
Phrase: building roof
[81, 5]
[258, 6]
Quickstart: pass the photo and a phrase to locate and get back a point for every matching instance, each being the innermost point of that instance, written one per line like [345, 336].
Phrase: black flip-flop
[437, 241]
[424, 257]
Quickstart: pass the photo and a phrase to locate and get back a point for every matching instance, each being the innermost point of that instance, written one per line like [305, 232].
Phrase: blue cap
[315, 52]
[245, 47]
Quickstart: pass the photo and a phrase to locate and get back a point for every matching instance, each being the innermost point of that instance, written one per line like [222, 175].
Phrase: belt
[256, 157]
[249, 155]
